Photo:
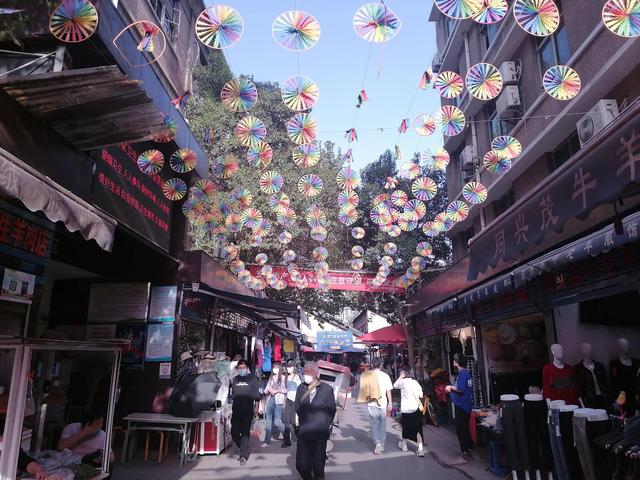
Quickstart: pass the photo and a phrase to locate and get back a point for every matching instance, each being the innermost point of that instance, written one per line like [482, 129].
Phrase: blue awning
[487, 290]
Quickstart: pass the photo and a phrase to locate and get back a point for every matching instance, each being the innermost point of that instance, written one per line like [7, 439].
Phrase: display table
[160, 423]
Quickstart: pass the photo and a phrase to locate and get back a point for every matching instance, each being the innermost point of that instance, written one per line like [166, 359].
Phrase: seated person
[29, 465]
[85, 437]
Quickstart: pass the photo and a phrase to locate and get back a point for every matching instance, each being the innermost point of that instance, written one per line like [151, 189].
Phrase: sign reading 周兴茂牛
[334, 341]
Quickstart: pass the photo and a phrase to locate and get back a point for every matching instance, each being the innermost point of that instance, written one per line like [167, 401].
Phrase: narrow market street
[351, 458]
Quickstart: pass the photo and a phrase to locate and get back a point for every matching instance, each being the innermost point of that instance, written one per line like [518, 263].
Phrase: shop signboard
[101, 332]
[131, 196]
[116, 302]
[135, 336]
[196, 307]
[159, 342]
[334, 341]
[338, 280]
[25, 232]
[17, 286]
[163, 304]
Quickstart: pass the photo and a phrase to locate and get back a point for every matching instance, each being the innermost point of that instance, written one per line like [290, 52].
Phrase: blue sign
[334, 341]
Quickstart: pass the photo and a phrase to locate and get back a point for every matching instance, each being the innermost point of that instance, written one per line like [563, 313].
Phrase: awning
[198, 266]
[393, 334]
[597, 174]
[39, 193]
[90, 107]
[487, 290]
[286, 326]
[258, 309]
[598, 242]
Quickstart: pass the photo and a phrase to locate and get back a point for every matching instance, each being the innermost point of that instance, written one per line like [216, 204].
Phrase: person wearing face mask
[276, 391]
[245, 393]
[316, 406]
[289, 418]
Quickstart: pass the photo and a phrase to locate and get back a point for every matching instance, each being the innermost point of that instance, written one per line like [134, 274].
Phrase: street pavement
[351, 458]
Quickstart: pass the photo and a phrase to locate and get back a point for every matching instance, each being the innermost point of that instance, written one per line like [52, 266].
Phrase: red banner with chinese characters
[338, 280]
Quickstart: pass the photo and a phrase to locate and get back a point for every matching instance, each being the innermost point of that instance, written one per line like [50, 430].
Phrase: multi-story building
[556, 240]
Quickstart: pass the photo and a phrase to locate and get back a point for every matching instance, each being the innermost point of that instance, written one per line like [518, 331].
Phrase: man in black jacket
[245, 392]
[316, 407]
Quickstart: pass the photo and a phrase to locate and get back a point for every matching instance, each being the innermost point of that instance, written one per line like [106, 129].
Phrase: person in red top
[558, 380]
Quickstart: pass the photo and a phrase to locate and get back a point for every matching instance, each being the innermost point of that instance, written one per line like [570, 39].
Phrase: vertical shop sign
[133, 350]
[163, 304]
[159, 342]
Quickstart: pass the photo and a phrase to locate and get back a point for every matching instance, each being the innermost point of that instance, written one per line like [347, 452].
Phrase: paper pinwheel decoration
[296, 30]
[219, 26]
[72, 21]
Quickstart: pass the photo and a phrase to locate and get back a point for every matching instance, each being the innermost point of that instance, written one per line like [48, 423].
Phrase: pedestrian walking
[412, 412]
[379, 407]
[289, 417]
[316, 406]
[245, 392]
[460, 393]
[275, 391]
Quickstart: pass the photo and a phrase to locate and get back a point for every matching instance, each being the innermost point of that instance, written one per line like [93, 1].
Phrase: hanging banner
[334, 341]
[338, 280]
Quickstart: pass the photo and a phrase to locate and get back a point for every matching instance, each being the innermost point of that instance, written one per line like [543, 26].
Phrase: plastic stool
[496, 467]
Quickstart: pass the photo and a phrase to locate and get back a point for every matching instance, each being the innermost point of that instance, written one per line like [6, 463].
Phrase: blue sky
[337, 64]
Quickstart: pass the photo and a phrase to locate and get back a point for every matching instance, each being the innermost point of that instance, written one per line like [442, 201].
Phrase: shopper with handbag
[412, 412]
[245, 392]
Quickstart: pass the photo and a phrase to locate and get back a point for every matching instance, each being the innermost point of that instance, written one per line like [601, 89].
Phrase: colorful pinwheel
[424, 125]
[316, 217]
[205, 187]
[306, 155]
[348, 215]
[251, 217]
[348, 197]
[262, 229]
[484, 81]
[424, 188]
[537, 17]
[492, 11]
[319, 234]
[172, 127]
[286, 216]
[561, 82]
[174, 189]
[357, 264]
[409, 170]
[448, 84]
[390, 248]
[357, 251]
[279, 201]
[474, 192]
[73, 21]
[451, 120]
[424, 249]
[348, 179]
[436, 160]
[261, 258]
[622, 17]
[494, 163]
[151, 162]
[300, 93]
[415, 209]
[310, 185]
[443, 221]
[406, 224]
[183, 160]
[239, 94]
[259, 154]
[271, 182]
[506, 146]
[225, 166]
[234, 222]
[296, 30]
[459, 9]
[302, 128]
[219, 26]
[357, 233]
[458, 210]
[399, 198]
[250, 130]
[320, 254]
[375, 22]
[380, 214]
[430, 229]
[285, 238]
[255, 240]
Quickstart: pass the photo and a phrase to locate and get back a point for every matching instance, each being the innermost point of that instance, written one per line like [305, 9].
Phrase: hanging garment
[592, 384]
[259, 354]
[277, 348]
[559, 384]
[581, 418]
[535, 414]
[569, 447]
[561, 471]
[266, 358]
[515, 435]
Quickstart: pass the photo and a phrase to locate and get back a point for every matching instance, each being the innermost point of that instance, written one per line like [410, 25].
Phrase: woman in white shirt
[411, 408]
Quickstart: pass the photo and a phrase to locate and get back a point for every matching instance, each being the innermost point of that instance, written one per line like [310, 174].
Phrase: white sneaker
[420, 451]
[402, 445]
[378, 450]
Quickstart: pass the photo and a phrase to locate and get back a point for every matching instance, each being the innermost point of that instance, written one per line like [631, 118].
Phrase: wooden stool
[162, 448]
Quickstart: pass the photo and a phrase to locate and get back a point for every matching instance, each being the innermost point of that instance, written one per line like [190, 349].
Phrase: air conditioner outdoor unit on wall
[509, 72]
[468, 158]
[601, 115]
[508, 104]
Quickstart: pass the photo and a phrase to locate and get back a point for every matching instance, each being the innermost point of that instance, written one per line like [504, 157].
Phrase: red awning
[393, 334]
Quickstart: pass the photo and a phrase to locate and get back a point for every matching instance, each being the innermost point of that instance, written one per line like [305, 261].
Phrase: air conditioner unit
[601, 115]
[508, 104]
[468, 158]
[510, 73]
[436, 63]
